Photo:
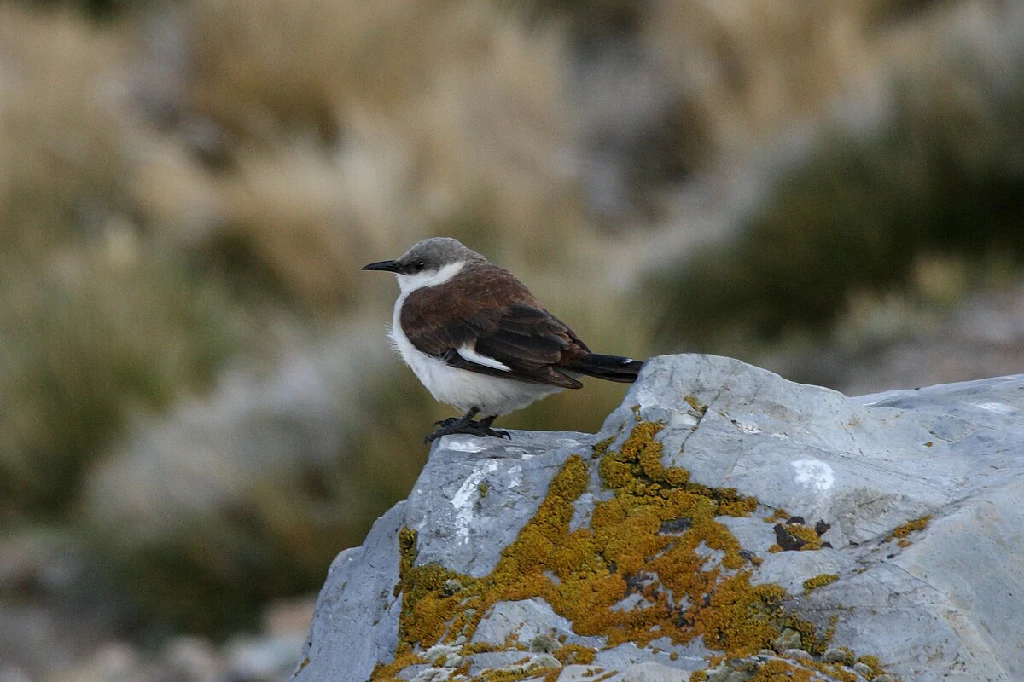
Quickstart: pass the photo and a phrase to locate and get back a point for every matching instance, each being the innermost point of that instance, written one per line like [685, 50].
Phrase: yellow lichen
[908, 528]
[385, 672]
[575, 653]
[519, 673]
[873, 663]
[695, 404]
[656, 537]
[838, 672]
[777, 669]
[809, 536]
[820, 581]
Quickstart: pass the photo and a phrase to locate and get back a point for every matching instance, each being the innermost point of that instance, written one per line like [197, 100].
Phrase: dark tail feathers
[610, 367]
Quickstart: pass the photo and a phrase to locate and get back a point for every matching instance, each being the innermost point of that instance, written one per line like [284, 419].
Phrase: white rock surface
[946, 606]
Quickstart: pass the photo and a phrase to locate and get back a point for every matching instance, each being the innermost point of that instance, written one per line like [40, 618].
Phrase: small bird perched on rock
[479, 341]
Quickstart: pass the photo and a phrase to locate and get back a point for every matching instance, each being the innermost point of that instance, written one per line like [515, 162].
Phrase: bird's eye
[418, 265]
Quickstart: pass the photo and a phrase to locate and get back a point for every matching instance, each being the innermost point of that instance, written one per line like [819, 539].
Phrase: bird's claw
[453, 426]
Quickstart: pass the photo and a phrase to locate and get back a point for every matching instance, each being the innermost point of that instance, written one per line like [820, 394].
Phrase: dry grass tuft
[941, 175]
[262, 68]
[62, 153]
[745, 71]
[345, 131]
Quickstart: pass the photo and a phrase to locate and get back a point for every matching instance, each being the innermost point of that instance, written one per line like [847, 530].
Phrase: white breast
[457, 387]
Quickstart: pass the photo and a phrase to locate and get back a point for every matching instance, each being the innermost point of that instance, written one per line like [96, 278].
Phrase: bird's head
[428, 263]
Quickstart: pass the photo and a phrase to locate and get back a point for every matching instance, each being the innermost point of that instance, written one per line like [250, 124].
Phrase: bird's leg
[485, 428]
[457, 421]
[466, 424]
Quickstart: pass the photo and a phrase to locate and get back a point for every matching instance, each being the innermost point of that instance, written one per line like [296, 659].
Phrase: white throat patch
[410, 283]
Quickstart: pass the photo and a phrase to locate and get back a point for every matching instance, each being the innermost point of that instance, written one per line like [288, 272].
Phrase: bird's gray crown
[435, 253]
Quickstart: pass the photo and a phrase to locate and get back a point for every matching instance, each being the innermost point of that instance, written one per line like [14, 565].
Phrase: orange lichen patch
[873, 663]
[836, 672]
[389, 671]
[776, 670]
[795, 535]
[777, 516]
[427, 610]
[518, 673]
[907, 528]
[695, 404]
[655, 541]
[740, 619]
[820, 581]
[575, 653]
[806, 533]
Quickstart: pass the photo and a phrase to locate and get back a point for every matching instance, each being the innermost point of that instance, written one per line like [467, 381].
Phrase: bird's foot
[449, 422]
[466, 424]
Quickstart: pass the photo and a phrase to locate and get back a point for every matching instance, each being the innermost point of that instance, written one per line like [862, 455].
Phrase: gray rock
[577, 673]
[530, 619]
[654, 672]
[355, 624]
[789, 639]
[791, 569]
[543, 661]
[862, 669]
[432, 675]
[626, 656]
[496, 660]
[640, 672]
[466, 531]
[837, 656]
[937, 606]
[753, 533]
[445, 655]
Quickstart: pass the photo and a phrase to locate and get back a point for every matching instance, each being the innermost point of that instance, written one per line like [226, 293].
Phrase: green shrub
[85, 346]
[943, 177]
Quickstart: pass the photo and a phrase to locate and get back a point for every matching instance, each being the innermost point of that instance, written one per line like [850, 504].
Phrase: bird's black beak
[385, 265]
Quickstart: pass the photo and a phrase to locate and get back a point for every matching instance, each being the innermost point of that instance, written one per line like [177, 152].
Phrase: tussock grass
[345, 131]
[62, 155]
[87, 342]
[742, 74]
[942, 176]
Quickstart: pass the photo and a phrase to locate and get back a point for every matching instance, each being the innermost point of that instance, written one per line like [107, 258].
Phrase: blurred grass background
[198, 407]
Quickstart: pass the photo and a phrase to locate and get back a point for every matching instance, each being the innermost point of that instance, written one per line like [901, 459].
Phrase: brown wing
[494, 314]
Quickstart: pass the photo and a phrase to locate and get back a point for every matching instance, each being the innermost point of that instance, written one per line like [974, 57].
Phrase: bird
[478, 340]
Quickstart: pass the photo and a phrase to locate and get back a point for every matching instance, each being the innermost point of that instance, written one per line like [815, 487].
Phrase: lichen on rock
[646, 549]
[693, 581]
